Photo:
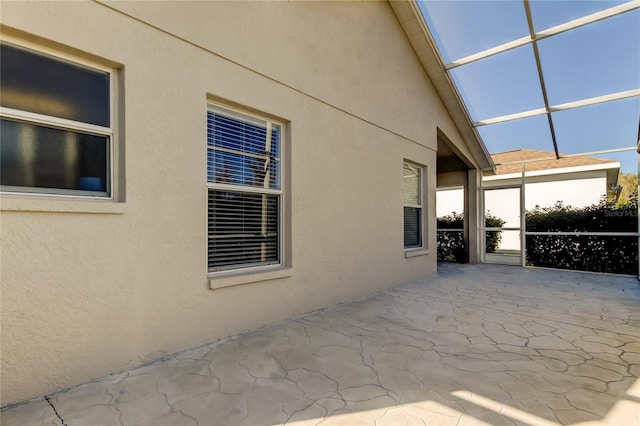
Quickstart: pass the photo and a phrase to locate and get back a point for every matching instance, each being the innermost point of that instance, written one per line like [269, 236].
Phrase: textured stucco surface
[88, 289]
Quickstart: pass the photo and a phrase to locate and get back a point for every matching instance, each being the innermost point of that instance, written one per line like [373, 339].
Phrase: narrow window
[244, 190]
[412, 180]
[55, 125]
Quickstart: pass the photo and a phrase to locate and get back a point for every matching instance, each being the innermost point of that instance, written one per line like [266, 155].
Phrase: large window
[412, 180]
[244, 190]
[55, 129]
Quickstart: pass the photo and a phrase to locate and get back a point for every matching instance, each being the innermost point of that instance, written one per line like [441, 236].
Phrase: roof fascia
[613, 166]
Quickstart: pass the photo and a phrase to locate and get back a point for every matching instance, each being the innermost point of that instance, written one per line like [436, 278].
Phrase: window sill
[18, 203]
[239, 278]
[415, 252]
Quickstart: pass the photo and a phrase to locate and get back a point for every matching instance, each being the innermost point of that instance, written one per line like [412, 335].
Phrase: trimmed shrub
[612, 254]
[601, 217]
[451, 243]
[493, 238]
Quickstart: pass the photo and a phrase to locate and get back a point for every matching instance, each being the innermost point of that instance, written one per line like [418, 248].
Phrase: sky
[593, 60]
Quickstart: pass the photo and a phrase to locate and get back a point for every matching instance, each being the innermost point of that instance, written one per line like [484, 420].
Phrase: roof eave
[415, 28]
[611, 169]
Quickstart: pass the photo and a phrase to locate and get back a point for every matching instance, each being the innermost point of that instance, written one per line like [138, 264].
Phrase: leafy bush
[613, 254]
[602, 217]
[493, 238]
[618, 255]
[452, 221]
[451, 243]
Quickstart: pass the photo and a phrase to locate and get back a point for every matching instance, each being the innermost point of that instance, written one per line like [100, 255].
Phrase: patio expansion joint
[53, 407]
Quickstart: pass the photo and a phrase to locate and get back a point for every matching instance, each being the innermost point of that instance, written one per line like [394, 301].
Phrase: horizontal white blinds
[243, 228]
[243, 223]
[411, 181]
[412, 229]
[239, 152]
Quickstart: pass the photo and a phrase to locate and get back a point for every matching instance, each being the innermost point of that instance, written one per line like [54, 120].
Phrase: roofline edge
[408, 14]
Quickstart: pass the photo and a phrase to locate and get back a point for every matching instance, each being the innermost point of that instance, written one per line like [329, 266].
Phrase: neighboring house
[573, 181]
[174, 173]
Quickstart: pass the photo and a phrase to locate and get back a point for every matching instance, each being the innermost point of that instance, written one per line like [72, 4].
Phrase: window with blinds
[244, 190]
[412, 181]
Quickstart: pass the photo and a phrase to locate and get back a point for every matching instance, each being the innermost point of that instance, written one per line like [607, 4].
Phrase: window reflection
[36, 156]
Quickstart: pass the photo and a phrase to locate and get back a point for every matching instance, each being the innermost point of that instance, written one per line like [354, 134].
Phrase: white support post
[523, 219]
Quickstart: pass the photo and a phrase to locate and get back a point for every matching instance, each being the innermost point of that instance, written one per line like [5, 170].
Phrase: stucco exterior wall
[90, 288]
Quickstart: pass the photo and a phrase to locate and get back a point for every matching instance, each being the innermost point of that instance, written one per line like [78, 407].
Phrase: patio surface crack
[54, 410]
[371, 357]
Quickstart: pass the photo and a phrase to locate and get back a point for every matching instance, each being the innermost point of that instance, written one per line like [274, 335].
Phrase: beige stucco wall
[452, 179]
[89, 289]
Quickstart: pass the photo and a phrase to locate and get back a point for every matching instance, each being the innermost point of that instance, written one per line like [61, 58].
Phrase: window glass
[238, 152]
[40, 84]
[412, 181]
[244, 224]
[411, 184]
[243, 229]
[412, 228]
[33, 156]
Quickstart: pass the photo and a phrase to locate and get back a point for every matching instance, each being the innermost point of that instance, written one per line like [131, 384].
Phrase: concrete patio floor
[480, 344]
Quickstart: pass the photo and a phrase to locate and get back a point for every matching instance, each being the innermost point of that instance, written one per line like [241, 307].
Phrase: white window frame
[66, 124]
[271, 269]
[419, 249]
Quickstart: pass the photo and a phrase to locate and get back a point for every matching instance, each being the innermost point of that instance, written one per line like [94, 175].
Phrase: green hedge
[601, 217]
[451, 246]
[451, 243]
[493, 238]
[617, 255]
[585, 253]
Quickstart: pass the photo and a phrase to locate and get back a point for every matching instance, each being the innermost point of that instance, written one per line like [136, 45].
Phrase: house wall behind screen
[85, 293]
